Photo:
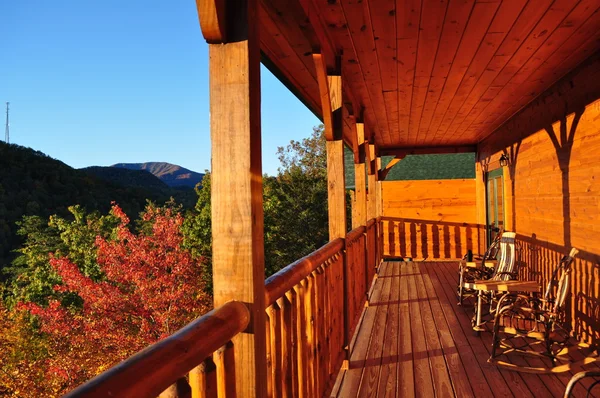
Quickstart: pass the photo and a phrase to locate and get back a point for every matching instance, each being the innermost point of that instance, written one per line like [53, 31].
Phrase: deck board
[415, 341]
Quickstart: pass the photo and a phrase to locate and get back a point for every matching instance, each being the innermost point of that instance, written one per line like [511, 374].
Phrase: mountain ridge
[171, 174]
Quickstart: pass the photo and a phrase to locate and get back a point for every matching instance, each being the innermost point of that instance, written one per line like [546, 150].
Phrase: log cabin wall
[432, 219]
[554, 175]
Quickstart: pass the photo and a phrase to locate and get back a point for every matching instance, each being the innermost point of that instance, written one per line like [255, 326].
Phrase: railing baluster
[225, 363]
[179, 389]
[203, 380]
[292, 297]
[300, 341]
[270, 363]
[309, 308]
[274, 314]
[286, 346]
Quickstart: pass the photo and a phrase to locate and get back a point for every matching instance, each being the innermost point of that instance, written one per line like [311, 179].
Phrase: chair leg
[460, 288]
[479, 309]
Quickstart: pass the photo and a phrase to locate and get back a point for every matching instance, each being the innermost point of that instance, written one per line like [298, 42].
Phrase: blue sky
[103, 82]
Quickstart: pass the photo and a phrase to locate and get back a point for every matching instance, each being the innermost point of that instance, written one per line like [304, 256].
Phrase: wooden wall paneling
[383, 16]
[408, 16]
[238, 253]
[544, 28]
[472, 59]
[430, 30]
[455, 23]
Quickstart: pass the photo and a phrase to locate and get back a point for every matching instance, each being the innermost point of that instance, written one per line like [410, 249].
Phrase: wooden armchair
[479, 267]
[536, 322]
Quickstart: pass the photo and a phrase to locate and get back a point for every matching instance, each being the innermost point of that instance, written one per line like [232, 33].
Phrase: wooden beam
[480, 205]
[360, 178]
[330, 92]
[508, 199]
[237, 209]
[372, 183]
[212, 20]
[385, 170]
[403, 151]
[336, 193]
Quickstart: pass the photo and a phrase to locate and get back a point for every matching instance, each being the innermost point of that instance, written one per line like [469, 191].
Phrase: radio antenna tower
[6, 132]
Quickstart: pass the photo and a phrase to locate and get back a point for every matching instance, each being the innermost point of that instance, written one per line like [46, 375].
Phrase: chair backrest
[507, 262]
[560, 278]
[492, 251]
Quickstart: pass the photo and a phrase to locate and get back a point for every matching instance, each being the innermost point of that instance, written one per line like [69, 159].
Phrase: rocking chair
[537, 321]
[502, 279]
[476, 268]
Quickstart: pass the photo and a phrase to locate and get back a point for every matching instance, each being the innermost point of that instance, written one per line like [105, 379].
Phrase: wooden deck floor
[415, 341]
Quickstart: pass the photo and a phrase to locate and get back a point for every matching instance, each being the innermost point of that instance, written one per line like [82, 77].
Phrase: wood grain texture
[336, 194]
[213, 20]
[236, 191]
[430, 72]
[430, 219]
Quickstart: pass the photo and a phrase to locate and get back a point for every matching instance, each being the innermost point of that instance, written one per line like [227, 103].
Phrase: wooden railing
[151, 371]
[313, 307]
[429, 239]
[305, 343]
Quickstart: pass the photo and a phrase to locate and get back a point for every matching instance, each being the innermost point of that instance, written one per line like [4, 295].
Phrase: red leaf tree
[151, 287]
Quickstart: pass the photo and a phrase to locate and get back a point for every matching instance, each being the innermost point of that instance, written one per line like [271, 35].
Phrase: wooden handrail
[278, 284]
[355, 234]
[152, 370]
[370, 223]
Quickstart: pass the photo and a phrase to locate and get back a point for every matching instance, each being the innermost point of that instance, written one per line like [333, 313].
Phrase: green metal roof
[450, 166]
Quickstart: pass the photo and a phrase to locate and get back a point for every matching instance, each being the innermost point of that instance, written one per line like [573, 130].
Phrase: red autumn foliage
[151, 288]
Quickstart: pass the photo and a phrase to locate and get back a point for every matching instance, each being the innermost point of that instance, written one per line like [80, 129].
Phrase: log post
[236, 196]
[480, 206]
[508, 196]
[372, 183]
[360, 180]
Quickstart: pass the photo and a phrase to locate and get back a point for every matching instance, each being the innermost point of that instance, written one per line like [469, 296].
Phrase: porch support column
[372, 179]
[236, 180]
[508, 199]
[379, 192]
[480, 206]
[330, 88]
[360, 178]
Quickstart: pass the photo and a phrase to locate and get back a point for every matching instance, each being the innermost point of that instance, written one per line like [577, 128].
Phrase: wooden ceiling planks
[575, 29]
[432, 20]
[408, 17]
[500, 86]
[452, 34]
[433, 72]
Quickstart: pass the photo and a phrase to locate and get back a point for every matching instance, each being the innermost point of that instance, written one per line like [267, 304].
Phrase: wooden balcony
[413, 340]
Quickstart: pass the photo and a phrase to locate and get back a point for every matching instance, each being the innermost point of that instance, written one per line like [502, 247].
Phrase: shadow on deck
[415, 341]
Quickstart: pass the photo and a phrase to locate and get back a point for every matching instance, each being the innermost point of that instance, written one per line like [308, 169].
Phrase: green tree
[31, 277]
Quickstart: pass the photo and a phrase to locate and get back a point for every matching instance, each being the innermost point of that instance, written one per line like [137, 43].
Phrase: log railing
[152, 370]
[313, 307]
[305, 344]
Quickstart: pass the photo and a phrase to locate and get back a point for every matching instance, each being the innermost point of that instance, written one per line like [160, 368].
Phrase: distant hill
[170, 174]
[127, 177]
[32, 183]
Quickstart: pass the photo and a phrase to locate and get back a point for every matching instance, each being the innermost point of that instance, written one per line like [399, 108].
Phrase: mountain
[32, 183]
[170, 174]
[127, 177]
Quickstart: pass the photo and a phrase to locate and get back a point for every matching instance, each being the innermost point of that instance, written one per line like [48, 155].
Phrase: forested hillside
[32, 183]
